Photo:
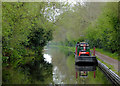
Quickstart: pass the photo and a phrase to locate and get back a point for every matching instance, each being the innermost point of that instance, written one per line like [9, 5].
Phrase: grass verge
[108, 65]
[112, 55]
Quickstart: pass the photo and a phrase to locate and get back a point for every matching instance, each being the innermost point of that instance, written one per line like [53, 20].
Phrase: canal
[66, 72]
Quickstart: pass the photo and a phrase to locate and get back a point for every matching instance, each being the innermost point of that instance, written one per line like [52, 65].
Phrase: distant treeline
[95, 23]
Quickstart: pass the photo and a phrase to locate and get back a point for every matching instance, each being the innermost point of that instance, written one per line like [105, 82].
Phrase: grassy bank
[112, 55]
[72, 49]
[108, 65]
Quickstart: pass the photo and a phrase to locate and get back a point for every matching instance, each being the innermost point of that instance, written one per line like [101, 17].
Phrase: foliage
[28, 27]
[95, 23]
[25, 31]
[104, 32]
[71, 24]
[112, 55]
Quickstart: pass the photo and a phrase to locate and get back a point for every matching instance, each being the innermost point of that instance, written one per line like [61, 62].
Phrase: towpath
[108, 60]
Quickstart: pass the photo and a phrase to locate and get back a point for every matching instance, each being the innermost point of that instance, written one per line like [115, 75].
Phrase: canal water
[66, 72]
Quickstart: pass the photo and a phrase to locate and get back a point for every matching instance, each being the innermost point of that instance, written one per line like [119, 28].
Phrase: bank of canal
[64, 71]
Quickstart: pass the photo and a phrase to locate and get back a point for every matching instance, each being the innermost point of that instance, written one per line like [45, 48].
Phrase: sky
[58, 11]
[71, 3]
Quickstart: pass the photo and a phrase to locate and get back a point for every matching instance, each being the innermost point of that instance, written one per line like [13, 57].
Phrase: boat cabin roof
[82, 44]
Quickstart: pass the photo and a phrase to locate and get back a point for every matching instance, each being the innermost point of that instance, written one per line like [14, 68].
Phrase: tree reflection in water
[34, 71]
[39, 70]
[83, 70]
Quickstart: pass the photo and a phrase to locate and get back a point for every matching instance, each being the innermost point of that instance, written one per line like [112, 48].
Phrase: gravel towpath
[108, 60]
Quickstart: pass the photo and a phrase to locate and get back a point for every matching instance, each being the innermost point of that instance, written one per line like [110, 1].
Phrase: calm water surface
[66, 72]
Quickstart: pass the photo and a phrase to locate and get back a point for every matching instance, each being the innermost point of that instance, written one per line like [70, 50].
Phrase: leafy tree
[25, 31]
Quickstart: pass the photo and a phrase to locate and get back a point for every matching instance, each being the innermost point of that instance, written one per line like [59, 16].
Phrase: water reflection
[65, 71]
[57, 76]
[31, 70]
[83, 70]
[47, 58]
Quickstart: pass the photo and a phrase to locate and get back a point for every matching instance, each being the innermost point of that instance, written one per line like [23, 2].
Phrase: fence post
[76, 75]
[94, 74]
[94, 51]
